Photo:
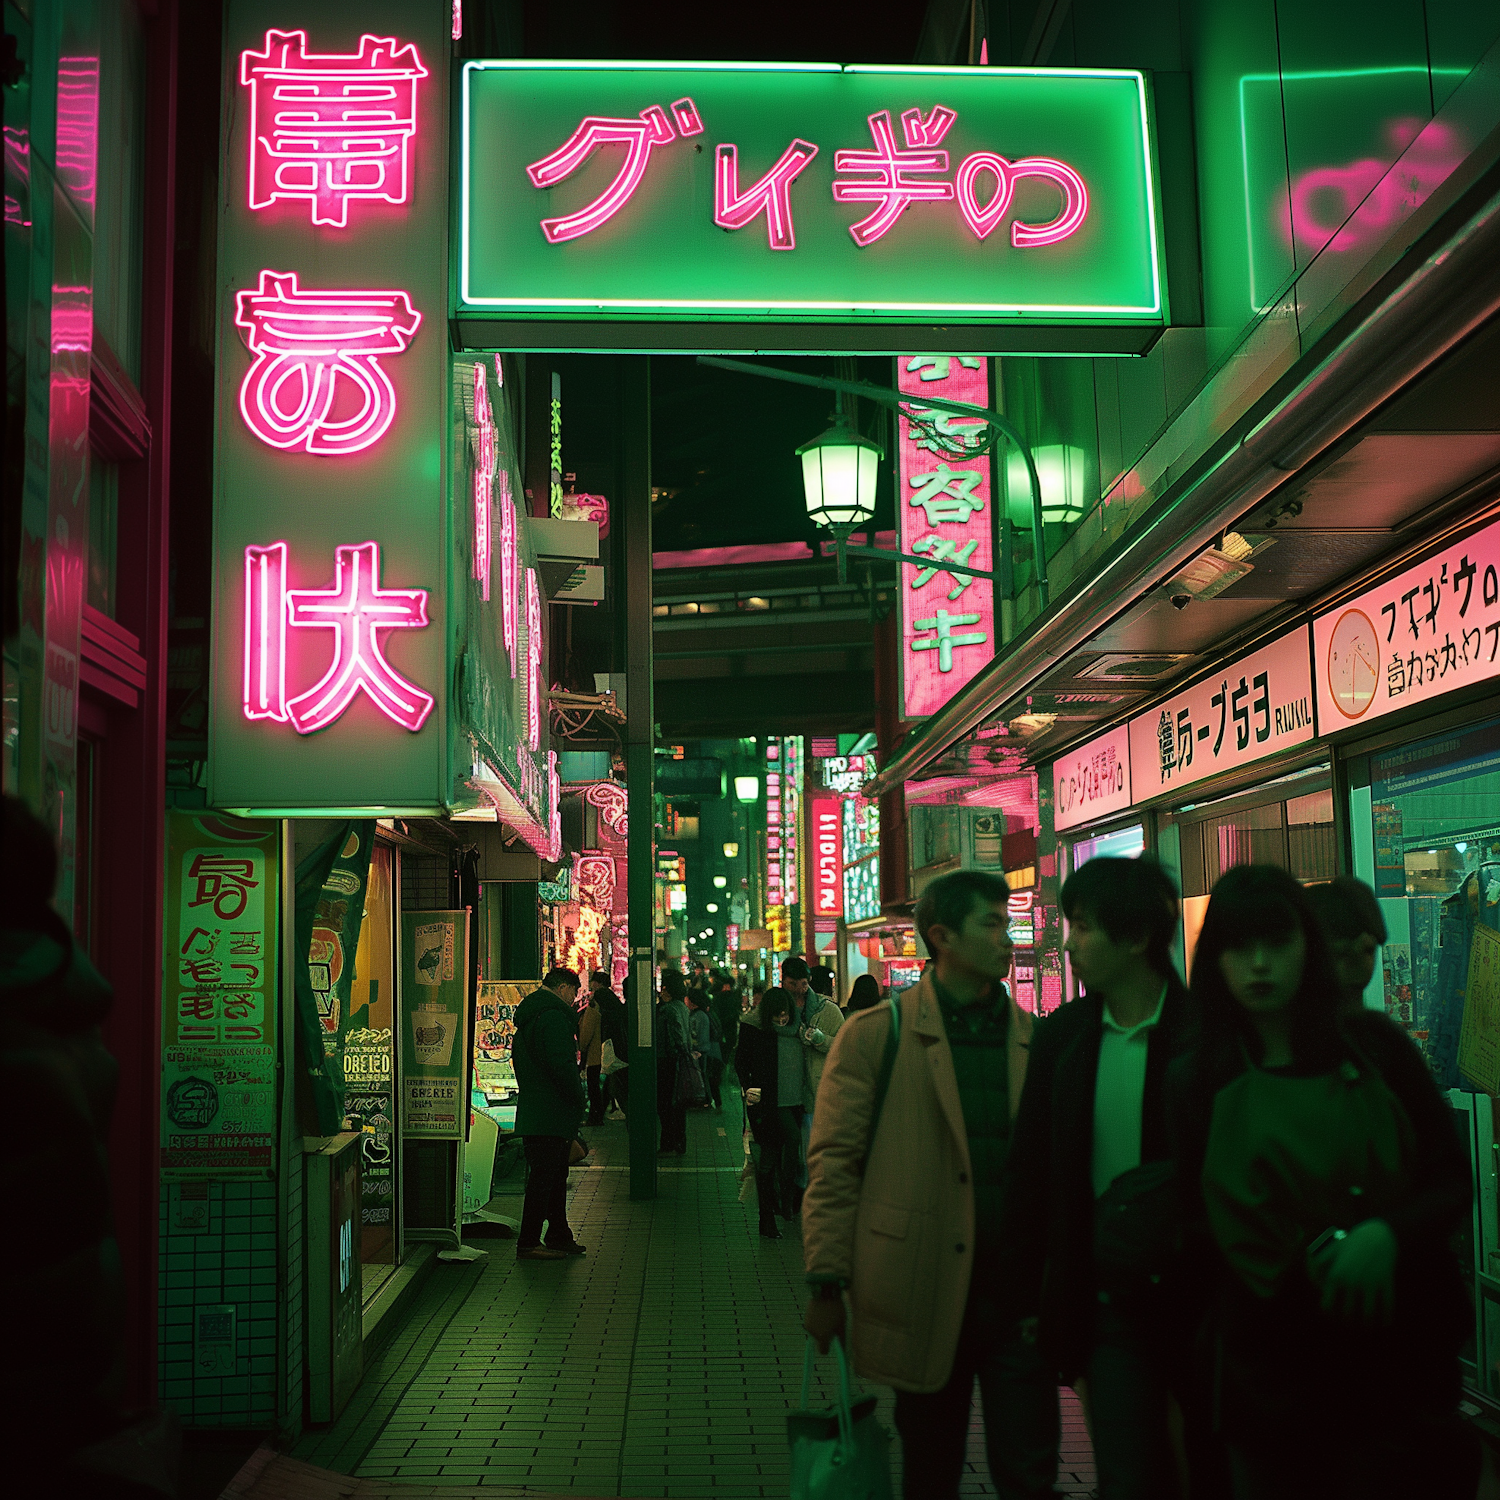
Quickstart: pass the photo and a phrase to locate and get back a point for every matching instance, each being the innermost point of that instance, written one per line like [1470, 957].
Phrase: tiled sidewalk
[662, 1364]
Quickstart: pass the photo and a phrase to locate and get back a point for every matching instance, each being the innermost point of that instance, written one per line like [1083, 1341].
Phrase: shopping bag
[609, 1060]
[689, 1087]
[842, 1453]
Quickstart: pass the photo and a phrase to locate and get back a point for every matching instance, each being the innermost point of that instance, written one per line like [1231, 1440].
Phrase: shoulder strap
[887, 1064]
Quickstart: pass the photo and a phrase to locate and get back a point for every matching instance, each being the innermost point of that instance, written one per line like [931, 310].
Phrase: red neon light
[508, 563]
[310, 341]
[1075, 202]
[265, 632]
[1006, 174]
[533, 661]
[892, 189]
[637, 136]
[770, 195]
[610, 799]
[484, 473]
[330, 126]
[356, 609]
[689, 121]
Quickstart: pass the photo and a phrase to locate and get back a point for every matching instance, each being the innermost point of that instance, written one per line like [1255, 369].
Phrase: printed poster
[219, 1033]
[434, 1019]
[1479, 1041]
[368, 1103]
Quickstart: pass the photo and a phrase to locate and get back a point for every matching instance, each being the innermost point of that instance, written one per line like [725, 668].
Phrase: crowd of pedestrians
[1221, 1212]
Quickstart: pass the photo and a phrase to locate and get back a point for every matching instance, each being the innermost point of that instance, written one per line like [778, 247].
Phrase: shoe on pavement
[573, 1248]
[541, 1252]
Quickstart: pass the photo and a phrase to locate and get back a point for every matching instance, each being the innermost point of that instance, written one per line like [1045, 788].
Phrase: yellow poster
[1479, 1042]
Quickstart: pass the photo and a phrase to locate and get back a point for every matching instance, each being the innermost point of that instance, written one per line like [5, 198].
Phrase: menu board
[434, 1018]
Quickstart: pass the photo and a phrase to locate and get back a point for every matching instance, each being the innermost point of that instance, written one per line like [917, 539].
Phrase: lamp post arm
[921, 562]
[895, 400]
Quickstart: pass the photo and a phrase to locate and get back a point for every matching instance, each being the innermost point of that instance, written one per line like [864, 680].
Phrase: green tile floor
[661, 1364]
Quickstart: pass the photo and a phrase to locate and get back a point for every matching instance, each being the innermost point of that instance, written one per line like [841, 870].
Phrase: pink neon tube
[770, 194]
[638, 138]
[1075, 202]
[265, 632]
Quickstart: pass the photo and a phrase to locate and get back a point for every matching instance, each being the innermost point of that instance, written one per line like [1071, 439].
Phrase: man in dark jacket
[1092, 1122]
[612, 1011]
[673, 1047]
[549, 1110]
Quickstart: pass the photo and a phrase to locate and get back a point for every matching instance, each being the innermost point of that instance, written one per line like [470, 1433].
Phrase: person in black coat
[1322, 1180]
[612, 1012]
[1090, 1141]
[766, 1050]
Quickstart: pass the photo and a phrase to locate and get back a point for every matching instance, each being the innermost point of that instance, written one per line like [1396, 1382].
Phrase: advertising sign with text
[1092, 781]
[1428, 631]
[219, 1037]
[797, 194]
[826, 863]
[945, 513]
[1257, 706]
[435, 1020]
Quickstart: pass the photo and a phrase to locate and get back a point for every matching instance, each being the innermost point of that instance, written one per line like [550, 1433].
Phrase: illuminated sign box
[828, 207]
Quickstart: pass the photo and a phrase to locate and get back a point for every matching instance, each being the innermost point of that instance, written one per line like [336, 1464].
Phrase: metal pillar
[635, 507]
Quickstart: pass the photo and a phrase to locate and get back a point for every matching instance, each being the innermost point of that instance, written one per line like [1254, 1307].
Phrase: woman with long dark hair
[768, 1060]
[864, 994]
[1320, 1166]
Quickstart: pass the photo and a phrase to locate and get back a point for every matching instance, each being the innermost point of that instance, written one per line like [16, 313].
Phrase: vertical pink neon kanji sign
[945, 508]
[330, 127]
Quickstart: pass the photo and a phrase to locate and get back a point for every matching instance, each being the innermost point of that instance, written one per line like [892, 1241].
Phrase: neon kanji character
[1166, 745]
[945, 640]
[329, 127]
[931, 367]
[356, 609]
[770, 194]
[891, 188]
[201, 970]
[305, 344]
[982, 218]
[223, 881]
[944, 549]
[640, 136]
[947, 494]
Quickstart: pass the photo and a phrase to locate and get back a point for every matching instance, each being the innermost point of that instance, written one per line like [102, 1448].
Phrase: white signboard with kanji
[1423, 633]
[1251, 709]
[1092, 781]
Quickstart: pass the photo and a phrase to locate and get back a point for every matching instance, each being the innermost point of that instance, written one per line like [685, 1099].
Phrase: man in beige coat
[907, 1222]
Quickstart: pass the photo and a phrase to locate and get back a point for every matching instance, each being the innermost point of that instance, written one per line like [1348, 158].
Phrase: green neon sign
[807, 195]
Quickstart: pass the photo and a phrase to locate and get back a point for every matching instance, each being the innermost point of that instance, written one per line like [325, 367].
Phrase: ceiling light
[731, 851]
[747, 788]
[720, 881]
[839, 471]
[711, 907]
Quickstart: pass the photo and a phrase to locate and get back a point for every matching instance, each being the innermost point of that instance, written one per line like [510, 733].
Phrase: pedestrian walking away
[549, 1111]
[902, 1213]
[706, 1042]
[771, 1071]
[590, 1054]
[673, 1051]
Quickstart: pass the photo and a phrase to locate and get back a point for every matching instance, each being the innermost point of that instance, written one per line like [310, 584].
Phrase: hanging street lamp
[834, 465]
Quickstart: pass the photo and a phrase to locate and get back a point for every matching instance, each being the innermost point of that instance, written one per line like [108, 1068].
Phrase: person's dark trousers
[1127, 1396]
[596, 1096]
[713, 1073]
[546, 1198]
[618, 1086]
[673, 1115]
[789, 1161]
[1021, 1423]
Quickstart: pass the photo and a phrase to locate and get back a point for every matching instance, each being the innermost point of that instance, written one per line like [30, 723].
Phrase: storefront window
[369, 1071]
[1435, 815]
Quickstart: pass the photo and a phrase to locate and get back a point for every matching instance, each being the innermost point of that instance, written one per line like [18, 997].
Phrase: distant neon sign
[613, 806]
[356, 609]
[330, 127]
[307, 344]
[509, 565]
[533, 661]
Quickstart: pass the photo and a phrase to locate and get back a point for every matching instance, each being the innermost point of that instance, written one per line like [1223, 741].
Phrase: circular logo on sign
[192, 1103]
[1353, 663]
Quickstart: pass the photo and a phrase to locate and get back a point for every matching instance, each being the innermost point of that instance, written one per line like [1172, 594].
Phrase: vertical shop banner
[368, 1080]
[435, 1023]
[332, 563]
[1092, 781]
[945, 510]
[1479, 1040]
[1257, 706]
[1428, 631]
[219, 1033]
[826, 863]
